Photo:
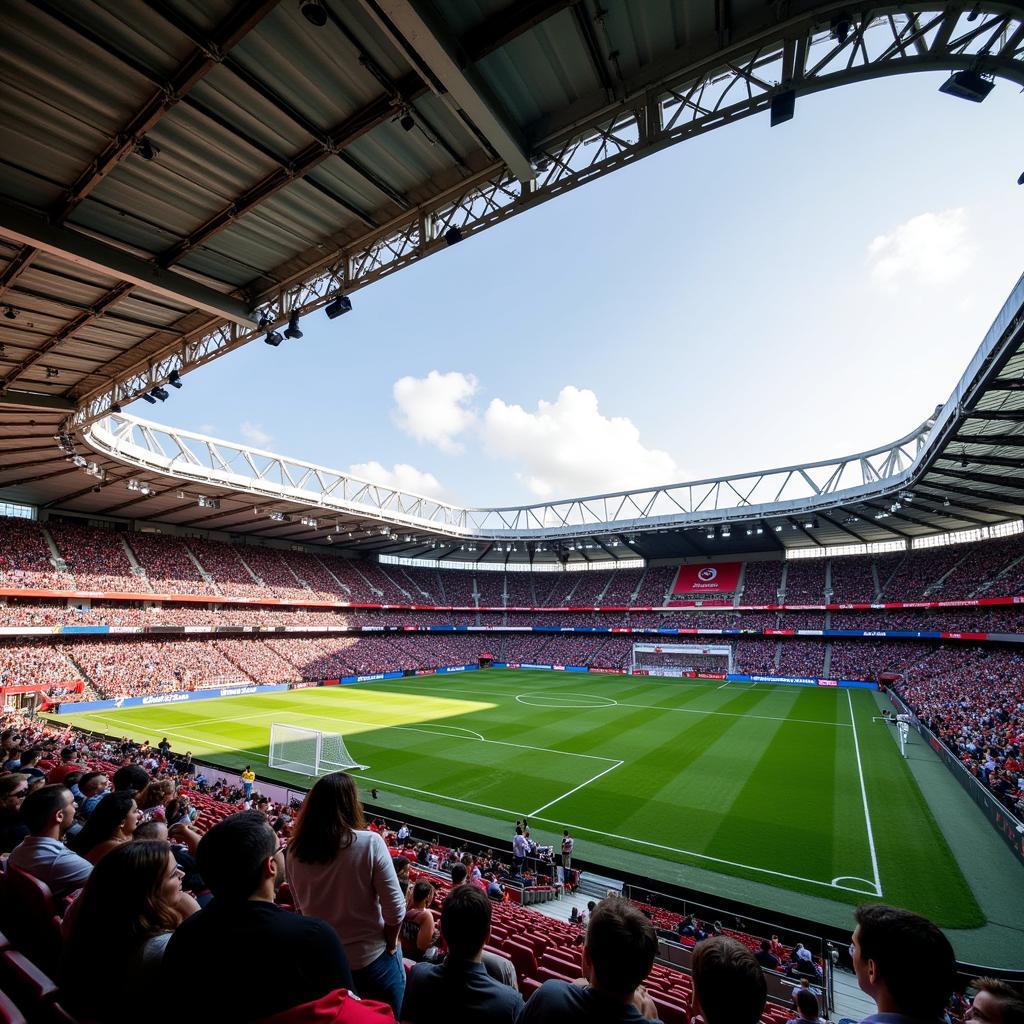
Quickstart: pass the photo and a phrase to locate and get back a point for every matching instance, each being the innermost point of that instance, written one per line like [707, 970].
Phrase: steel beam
[426, 47]
[30, 400]
[25, 228]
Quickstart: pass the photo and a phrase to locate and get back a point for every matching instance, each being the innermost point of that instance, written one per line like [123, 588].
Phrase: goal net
[680, 659]
[308, 751]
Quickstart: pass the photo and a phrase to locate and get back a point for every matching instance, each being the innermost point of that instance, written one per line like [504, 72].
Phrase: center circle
[565, 700]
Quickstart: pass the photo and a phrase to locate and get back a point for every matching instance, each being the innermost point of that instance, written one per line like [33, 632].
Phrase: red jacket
[337, 1007]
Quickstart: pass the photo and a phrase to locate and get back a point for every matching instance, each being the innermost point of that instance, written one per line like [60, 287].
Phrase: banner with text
[719, 578]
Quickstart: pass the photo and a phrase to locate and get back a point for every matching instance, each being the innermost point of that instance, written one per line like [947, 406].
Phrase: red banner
[719, 578]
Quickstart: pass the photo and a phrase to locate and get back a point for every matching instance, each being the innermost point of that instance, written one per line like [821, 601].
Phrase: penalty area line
[576, 789]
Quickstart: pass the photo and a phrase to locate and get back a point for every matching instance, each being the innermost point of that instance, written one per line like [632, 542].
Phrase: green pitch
[791, 787]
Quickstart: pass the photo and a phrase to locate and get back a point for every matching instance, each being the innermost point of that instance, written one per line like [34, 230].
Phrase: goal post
[678, 660]
[308, 751]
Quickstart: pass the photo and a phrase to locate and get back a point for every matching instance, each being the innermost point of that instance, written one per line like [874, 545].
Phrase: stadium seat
[528, 987]
[27, 984]
[669, 1012]
[30, 918]
[9, 1013]
[523, 960]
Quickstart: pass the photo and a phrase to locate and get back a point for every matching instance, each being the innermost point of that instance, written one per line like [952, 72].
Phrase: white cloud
[254, 434]
[402, 476]
[930, 249]
[568, 447]
[436, 408]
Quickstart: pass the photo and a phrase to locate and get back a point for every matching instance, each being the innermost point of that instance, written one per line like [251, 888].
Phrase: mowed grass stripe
[693, 756]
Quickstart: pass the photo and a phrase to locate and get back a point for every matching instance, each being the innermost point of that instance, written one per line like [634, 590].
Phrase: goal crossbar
[304, 751]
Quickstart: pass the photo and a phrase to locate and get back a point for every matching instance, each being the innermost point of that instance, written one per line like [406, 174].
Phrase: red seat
[523, 960]
[669, 1012]
[9, 1013]
[25, 982]
[30, 918]
[546, 974]
[557, 964]
[528, 987]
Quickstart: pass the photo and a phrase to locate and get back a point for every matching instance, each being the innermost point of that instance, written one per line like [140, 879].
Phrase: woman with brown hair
[343, 873]
[110, 825]
[128, 910]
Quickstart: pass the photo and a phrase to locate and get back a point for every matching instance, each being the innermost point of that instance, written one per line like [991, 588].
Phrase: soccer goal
[680, 659]
[309, 751]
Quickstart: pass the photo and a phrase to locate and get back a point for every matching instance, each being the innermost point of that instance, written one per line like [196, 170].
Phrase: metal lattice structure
[220, 168]
[798, 55]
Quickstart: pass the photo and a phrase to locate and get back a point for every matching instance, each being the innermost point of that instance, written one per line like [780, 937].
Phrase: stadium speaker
[274, 338]
[452, 236]
[967, 85]
[783, 107]
[293, 327]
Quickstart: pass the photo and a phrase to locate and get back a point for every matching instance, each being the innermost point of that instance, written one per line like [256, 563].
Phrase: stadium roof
[178, 179]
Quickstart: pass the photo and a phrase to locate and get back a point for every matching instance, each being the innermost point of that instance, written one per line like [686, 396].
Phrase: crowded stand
[519, 590]
[26, 559]
[805, 581]
[270, 568]
[36, 662]
[800, 658]
[973, 699]
[322, 583]
[853, 579]
[169, 567]
[654, 588]
[96, 558]
[222, 563]
[761, 582]
[490, 589]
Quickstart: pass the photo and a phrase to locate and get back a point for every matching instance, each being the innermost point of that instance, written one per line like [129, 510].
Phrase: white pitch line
[576, 789]
[550, 821]
[410, 728]
[656, 707]
[724, 685]
[864, 797]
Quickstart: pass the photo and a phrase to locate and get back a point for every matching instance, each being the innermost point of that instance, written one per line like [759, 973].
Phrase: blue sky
[754, 297]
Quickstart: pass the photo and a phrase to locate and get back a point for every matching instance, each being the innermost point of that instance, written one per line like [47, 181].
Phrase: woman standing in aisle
[342, 873]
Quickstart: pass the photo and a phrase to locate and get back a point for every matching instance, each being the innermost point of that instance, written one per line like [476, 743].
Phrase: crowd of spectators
[973, 699]
[95, 557]
[169, 567]
[25, 558]
[852, 580]
[37, 661]
[805, 581]
[761, 582]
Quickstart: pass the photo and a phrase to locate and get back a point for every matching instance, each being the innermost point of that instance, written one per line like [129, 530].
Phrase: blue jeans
[383, 979]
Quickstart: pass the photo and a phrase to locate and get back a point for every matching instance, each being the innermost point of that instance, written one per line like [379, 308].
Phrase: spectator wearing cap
[904, 963]
[48, 813]
[460, 988]
[618, 954]
[241, 863]
[728, 983]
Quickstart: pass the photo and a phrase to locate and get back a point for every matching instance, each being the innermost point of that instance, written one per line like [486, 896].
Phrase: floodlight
[52, 371]
[749, 532]
[711, 533]
[841, 29]
[783, 107]
[274, 338]
[452, 236]
[314, 12]
[778, 529]
[726, 531]
[149, 398]
[968, 85]
[342, 304]
[759, 530]
[293, 327]
[161, 393]
[174, 379]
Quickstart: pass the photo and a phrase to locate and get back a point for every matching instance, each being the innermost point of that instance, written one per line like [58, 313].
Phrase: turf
[757, 782]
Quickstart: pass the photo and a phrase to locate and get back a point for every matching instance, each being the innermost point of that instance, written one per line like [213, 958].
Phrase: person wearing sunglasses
[13, 790]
